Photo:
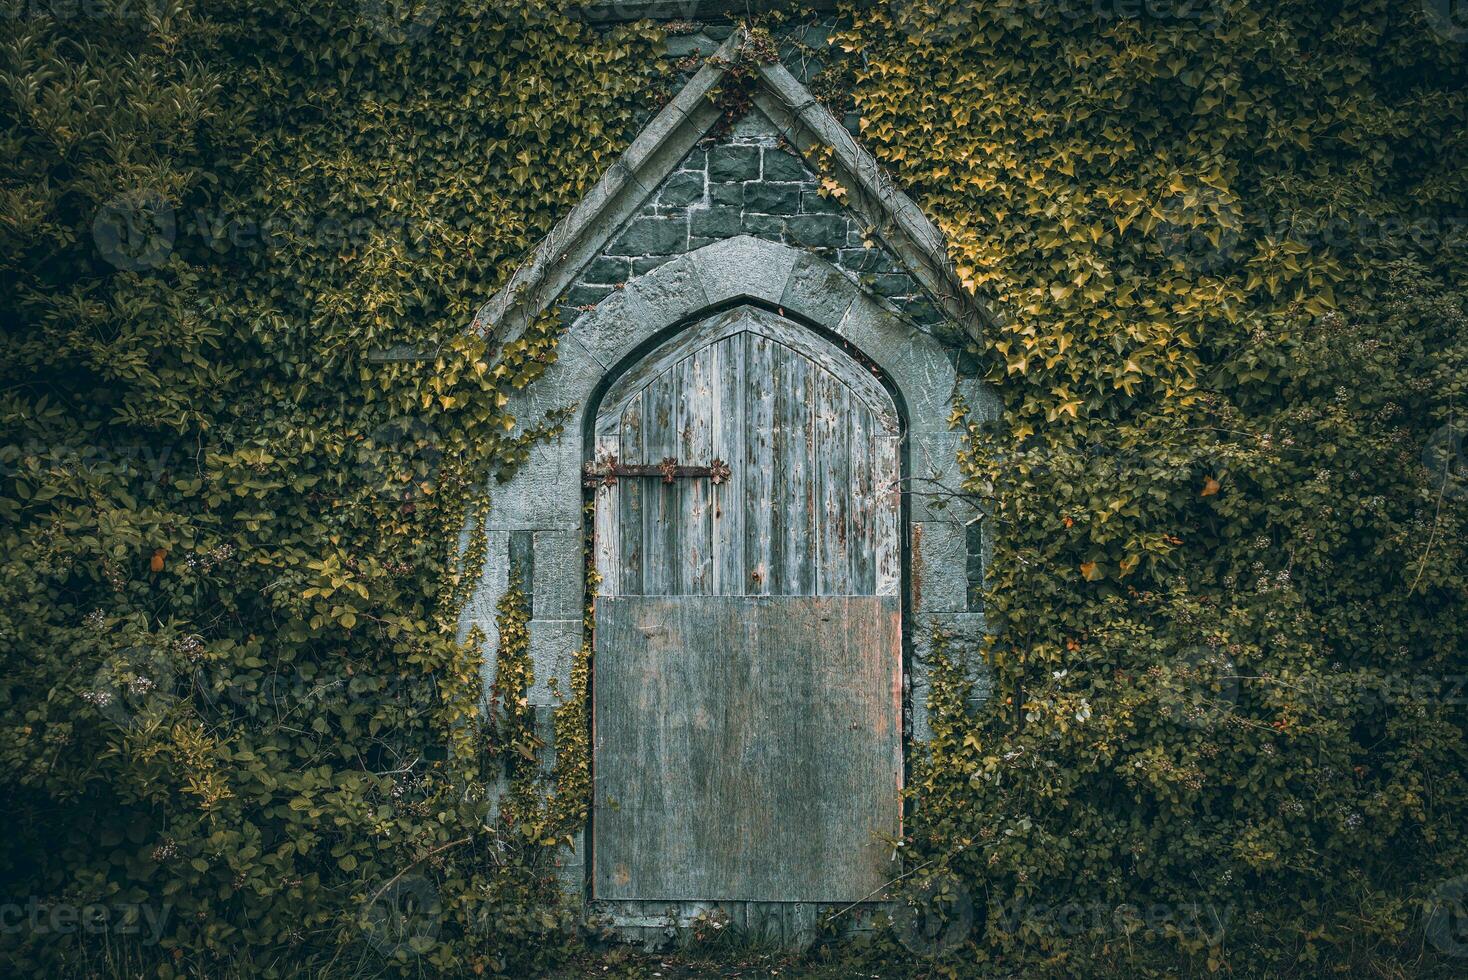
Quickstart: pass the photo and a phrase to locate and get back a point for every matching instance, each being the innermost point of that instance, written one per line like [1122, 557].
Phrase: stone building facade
[698, 218]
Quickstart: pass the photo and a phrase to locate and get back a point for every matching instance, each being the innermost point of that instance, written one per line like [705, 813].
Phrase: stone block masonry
[747, 183]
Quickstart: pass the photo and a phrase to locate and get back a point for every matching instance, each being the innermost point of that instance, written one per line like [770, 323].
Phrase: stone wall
[749, 184]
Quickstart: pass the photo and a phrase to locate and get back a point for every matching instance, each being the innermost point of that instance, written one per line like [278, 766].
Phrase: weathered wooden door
[747, 680]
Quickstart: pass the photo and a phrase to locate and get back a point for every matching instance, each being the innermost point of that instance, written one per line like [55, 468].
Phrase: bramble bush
[244, 422]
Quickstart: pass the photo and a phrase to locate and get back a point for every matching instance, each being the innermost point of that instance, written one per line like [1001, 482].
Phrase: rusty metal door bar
[607, 472]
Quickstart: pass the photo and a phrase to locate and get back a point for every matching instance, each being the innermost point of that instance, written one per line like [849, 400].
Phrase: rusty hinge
[608, 471]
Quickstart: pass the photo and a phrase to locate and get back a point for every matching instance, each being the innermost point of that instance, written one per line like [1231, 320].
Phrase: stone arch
[536, 523]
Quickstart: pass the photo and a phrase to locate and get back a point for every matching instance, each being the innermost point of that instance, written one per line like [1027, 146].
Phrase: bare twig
[413, 864]
[1442, 492]
[880, 888]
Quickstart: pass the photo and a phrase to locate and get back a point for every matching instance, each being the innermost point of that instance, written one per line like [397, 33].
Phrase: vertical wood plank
[792, 521]
[660, 501]
[859, 524]
[758, 459]
[729, 445]
[694, 559]
[674, 551]
[630, 502]
[832, 407]
[886, 515]
[607, 524]
[860, 527]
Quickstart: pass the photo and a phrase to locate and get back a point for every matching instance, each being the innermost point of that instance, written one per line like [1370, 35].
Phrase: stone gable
[748, 183]
[685, 183]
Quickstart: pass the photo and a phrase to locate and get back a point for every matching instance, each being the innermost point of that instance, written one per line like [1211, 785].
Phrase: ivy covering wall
[1227, 499]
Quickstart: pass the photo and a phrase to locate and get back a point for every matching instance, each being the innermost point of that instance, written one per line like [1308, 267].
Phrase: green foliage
[232, 689]
[1226, 597]
[1228, 583]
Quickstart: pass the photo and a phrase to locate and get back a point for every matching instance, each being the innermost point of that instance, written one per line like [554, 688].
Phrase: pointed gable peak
[693, 114]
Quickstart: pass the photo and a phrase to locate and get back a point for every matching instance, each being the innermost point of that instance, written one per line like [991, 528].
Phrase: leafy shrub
[240, 734]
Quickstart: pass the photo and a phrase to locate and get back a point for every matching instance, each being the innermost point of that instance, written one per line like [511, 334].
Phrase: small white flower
[1083, 713]
[1058, 674]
